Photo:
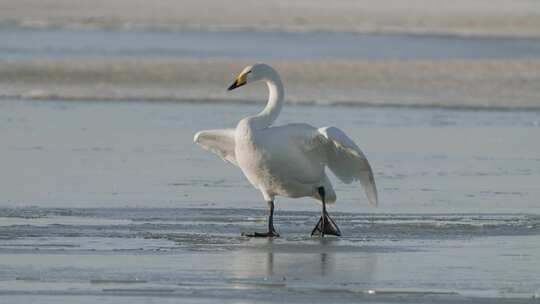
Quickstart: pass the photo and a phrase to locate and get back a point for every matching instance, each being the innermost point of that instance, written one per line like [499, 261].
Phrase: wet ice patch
[85, 244]
[61, 220]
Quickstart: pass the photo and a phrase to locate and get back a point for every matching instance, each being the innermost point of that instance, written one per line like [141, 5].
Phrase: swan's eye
[248, 72]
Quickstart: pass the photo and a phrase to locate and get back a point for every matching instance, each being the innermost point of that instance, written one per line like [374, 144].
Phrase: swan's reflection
[323, 260]
[270, 264]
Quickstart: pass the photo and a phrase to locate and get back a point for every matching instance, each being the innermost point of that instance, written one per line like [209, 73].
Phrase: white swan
[288, 160]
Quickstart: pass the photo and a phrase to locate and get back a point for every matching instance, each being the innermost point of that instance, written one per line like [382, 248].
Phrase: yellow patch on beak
[239, 81]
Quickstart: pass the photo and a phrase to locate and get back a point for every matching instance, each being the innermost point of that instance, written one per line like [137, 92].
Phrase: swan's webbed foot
[326, 225]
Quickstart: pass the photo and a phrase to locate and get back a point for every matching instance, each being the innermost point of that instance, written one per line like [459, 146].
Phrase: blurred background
[480, 53]
[411, 81]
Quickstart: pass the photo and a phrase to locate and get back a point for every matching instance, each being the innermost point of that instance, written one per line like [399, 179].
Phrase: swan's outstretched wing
[220, 142]
[345, 159]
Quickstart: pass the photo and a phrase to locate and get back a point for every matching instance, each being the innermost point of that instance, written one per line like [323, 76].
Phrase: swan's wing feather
[345, 159]
[220, 142]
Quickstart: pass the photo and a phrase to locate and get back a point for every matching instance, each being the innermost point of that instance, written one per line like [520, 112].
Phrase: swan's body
[288, 160]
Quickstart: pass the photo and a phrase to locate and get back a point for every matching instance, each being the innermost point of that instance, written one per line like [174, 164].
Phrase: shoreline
[232, 102]
[468, 84]
[115, 26]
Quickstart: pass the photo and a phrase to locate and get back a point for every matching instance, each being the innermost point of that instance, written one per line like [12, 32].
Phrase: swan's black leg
[326, 224]
[271, 230]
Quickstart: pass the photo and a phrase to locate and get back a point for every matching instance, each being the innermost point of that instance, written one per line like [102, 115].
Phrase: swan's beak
[239, 81]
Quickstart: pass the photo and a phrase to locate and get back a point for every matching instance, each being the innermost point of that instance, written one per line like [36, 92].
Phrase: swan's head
[252, 73]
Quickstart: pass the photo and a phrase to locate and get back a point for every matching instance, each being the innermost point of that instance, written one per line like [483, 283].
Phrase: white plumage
[288, 160]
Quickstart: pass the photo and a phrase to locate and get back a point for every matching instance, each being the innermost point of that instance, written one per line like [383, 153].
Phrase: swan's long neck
[275, 102]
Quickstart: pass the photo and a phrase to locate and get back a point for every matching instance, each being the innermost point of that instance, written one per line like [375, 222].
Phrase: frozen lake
[112, 201]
